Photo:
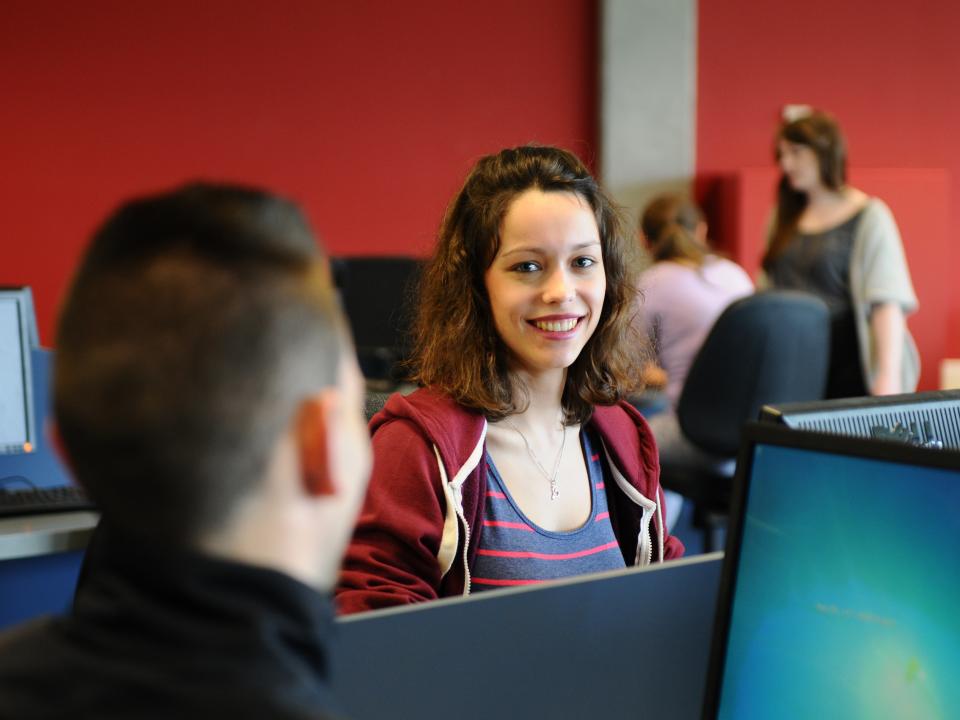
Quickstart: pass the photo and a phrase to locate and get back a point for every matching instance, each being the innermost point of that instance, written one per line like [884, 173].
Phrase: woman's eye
[525, 267]
[584, 262]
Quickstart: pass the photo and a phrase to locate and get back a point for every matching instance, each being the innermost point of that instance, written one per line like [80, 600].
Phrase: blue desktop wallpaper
[847, 603]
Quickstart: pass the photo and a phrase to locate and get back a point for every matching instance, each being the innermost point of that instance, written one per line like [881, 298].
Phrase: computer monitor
[17, 416]
[931, 419]
[840, 583]
[621, 644]
[376, 293]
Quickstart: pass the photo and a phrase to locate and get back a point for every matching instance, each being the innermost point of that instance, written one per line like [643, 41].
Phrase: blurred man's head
[203, 373]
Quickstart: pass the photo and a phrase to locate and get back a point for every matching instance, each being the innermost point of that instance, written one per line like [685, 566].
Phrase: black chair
[768, 348]
[376, 293]
[373, 403]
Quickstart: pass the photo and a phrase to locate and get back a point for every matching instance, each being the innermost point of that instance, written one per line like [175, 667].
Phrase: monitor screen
[840, 594]
[16, 396]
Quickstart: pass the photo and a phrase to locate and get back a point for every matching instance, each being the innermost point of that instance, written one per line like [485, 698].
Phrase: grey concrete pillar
[648, 86]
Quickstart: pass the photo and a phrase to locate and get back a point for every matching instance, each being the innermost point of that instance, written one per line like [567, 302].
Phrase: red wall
[368, 113]
[887, 70]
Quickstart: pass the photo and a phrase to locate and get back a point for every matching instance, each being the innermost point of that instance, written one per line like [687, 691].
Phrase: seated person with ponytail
[682, 294]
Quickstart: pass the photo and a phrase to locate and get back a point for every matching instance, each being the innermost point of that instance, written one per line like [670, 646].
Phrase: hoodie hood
[431, 412]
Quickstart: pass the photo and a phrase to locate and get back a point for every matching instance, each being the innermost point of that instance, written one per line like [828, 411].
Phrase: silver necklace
[551, 476]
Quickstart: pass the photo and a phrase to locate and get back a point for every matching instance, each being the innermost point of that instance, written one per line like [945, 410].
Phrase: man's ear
[315, 425]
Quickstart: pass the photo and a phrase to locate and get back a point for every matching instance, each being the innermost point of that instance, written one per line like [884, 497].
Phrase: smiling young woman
[516, 462]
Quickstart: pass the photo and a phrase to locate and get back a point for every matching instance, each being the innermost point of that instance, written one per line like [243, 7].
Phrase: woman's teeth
[556, 325]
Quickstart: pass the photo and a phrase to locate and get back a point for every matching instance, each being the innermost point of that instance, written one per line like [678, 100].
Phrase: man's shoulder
[51, 669]
[34, 669]
[19, 644]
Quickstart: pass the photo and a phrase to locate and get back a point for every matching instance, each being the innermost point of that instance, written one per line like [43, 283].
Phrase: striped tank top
[515, 551]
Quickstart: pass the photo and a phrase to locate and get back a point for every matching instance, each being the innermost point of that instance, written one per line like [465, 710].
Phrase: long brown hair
[456, 346]
[821, 133]
[669, 224]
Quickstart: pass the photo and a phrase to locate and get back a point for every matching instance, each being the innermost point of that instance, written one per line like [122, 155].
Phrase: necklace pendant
[551, 478]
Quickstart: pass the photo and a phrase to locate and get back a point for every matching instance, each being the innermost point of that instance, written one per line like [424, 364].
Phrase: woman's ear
[314, 442]
[700, 233]
[642, 239]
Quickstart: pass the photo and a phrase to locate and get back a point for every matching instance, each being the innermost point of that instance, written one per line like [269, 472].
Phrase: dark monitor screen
[839, 596]
[17, 432]
[377, 296]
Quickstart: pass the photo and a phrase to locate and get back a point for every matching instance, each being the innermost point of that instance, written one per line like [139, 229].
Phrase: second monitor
[840, 583]
[930, 419]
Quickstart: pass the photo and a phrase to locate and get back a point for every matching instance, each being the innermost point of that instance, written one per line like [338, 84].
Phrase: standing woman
[516, 462]
[833, 240]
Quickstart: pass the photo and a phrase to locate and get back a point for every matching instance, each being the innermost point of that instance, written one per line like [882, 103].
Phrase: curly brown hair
[456, 346]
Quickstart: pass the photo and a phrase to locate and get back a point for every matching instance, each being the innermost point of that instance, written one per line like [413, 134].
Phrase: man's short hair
[197, 322]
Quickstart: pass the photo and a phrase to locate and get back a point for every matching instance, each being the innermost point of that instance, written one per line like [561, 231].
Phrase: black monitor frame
[757, 433]
[23, 300]
[377, 295]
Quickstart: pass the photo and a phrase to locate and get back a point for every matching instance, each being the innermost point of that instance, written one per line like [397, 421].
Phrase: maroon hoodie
[417, 535]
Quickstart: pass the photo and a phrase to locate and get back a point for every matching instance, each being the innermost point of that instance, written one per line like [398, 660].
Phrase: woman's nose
[559, 287]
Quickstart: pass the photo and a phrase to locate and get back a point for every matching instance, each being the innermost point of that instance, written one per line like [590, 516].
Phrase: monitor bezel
[23, 298]
[783, 412]
[765, 433]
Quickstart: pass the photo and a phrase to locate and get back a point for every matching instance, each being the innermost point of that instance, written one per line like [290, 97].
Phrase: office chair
[376, 294]
[772, 347]
[373, 403]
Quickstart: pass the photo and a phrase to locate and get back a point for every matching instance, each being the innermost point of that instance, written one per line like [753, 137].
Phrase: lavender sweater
[679, 306]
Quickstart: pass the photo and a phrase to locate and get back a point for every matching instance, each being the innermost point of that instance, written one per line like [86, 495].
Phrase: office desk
[32, 535]
[40, 558]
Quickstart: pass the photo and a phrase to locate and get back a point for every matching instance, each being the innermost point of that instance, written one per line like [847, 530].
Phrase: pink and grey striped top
[515, 551]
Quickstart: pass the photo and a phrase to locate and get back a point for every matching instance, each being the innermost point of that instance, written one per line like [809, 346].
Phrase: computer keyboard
[68, 498]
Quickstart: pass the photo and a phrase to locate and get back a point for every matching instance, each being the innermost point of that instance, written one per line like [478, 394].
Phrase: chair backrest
[772, 347]
[373, 403]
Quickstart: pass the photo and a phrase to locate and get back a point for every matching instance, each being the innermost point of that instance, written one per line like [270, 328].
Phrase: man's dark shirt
[160, 633]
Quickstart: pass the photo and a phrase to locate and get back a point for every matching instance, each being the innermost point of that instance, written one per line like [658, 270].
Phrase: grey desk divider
[627, 644]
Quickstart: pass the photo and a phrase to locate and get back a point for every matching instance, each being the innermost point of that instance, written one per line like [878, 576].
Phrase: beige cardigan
[878, 274]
